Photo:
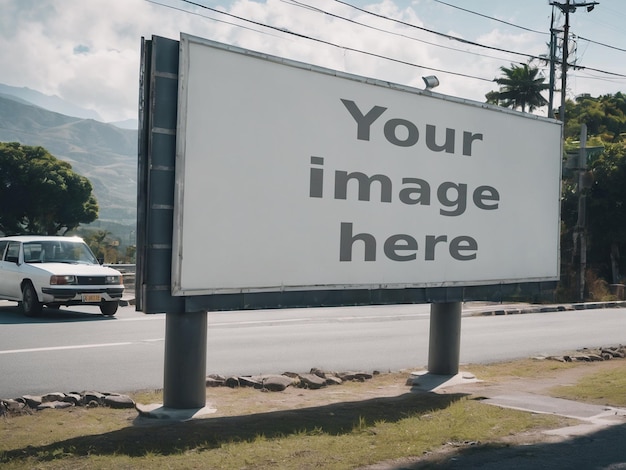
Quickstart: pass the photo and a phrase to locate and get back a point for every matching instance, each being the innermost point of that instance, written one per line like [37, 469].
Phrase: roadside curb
[502, 309]
[527, 308]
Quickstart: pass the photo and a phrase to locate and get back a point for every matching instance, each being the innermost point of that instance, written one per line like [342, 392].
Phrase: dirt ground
[602, 450]
[228, 403]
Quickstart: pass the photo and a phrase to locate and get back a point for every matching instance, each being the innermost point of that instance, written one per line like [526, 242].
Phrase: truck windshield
[58, 252]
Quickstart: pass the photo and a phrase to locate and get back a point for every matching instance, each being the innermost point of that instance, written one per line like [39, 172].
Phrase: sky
[87, 52]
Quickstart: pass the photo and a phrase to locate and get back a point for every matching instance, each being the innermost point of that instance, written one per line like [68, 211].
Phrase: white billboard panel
[290, 176]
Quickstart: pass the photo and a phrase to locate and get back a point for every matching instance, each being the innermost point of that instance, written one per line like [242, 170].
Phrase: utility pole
[580, 229]
[552, 64]
[580, 242]
[567, 8]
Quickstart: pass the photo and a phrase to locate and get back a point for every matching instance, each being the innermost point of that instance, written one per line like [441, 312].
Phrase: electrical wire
[491, 18]
[602, 44]
[322, 41]
[394, 33]
[211, 18]
[474, 43]
[447, 36]
[380, 56]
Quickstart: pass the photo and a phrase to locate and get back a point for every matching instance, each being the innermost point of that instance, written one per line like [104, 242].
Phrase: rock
[354, 376]
[556, 358]
[33, 401]
[56, 405]
[615, 352]
[56, 396]
[12, 406]
[320, 373]
[215, 380]
[73, 398]
[312, 381]
[277, 383]
[232, 382]
[119, 401]
[89, 397]
[333, 380]
[248, 381]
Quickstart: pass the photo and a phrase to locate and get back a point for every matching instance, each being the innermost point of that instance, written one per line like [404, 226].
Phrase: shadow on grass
[603, 449]
[208, 433]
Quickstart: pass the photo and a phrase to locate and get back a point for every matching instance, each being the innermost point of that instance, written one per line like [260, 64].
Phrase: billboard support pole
[184, 381]
[444, 344]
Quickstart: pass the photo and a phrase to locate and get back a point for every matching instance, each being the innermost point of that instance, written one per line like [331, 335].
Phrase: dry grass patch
[604, 387]
[523, 369]
[339, 427]
[338, 436]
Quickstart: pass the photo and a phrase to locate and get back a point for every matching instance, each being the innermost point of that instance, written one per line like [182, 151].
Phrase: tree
[40, 194]
[102, 244]
[605, 116]
[606, 210]
[520, 87]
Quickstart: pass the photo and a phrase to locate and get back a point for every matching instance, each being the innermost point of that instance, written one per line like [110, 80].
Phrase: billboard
[295, 177]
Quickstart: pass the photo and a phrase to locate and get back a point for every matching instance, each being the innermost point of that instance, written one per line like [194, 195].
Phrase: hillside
[104, 153]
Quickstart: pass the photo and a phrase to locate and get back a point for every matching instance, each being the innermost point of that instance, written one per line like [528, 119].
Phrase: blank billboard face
[294, 177]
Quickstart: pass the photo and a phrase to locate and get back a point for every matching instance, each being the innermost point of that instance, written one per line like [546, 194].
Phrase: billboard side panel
[156, 176]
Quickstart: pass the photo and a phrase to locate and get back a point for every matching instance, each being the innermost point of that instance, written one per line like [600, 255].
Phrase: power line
[375, 28]
[447, 36]
[523, 27]
[380, 56]
[474, 43]
[491, 18]
[210, 18]
[602, 44]
[322, 41]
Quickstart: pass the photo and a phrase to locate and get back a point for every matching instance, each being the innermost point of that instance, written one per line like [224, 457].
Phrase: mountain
[52, 103]
[105, 154]
[59, 105]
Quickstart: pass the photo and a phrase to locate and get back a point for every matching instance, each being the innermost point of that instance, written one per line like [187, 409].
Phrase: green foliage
[40, 194]
[605, 116]
[520, 87]
[606, 204]
[98, 240]
[605, 201]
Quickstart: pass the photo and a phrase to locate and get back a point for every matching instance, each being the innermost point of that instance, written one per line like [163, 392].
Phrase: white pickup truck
[54, 271]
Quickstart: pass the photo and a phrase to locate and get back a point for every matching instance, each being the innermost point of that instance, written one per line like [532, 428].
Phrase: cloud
[88, 52]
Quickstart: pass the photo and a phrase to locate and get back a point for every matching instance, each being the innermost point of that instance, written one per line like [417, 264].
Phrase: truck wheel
[109, 308]
[30, 303]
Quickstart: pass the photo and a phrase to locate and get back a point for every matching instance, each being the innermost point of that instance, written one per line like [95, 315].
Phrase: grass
[603, 388]
[521, 369]
[337, 428]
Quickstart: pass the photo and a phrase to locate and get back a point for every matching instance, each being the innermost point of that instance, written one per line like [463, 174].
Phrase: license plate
[92, 297]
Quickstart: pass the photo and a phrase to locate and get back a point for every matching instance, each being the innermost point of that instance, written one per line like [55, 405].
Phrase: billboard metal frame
[157, 227]
[186, 317]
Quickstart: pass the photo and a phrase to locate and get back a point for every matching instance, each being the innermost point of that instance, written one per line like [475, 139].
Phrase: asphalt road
[78, 349]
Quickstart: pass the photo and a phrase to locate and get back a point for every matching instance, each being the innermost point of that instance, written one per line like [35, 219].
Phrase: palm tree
[520, 87]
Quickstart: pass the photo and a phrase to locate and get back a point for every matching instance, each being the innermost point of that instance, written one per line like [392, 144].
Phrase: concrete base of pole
[424, 381]
[444, 344]
[184, 384]
[158, 411]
